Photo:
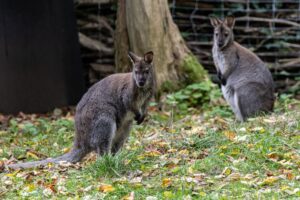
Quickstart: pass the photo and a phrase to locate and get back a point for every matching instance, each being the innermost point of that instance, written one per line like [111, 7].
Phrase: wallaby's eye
[216, 34]
[226, 34]
[146, 71]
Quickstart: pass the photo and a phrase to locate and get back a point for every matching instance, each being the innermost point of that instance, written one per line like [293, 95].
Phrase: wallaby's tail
[75, 155]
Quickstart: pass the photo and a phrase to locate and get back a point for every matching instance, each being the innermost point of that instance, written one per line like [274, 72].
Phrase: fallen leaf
[106, 188]
[30, 187]
[290, 176]
[269, 181]
[168, 194]
[227, 171]
[273, 156]
[202, 194]
[129, 196]
[166, 182]
[183, 152]
[136, 180]
[30, 154]
[47, 192]
[172, 150]
[292, 192]
[151, 198]
[243, 138]
[233, 177]
[230, 135]
[259, 129]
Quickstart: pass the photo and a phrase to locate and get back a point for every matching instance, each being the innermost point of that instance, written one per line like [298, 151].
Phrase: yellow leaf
[202, 194]
[233, 177]
[223, 147]
[172, 150]
[227, 171]
[13, 174]
[162, 144]
[50, 164]
[153, 153]
[284, 187]
[66, 150]
[30, 187]
[259, 129]
[30, 154]
[129, 196]
[141, 157]
[269, 180]
[273, 156]
[230, 135]
[166, 182]
[172, 131]
[168, 194]
[106, 188]
[184, 152]
[235, 152]
[190, 170]
[126, 161]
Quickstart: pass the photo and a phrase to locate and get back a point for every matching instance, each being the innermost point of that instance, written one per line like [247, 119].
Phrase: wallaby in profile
[247, 83]
[105, 113]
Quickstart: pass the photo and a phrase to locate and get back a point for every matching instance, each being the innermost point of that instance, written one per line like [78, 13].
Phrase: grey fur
[105, 113]
[247, 83]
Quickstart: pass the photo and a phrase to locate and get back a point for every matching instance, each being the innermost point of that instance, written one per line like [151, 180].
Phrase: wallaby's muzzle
[220, 44]
[141, 83]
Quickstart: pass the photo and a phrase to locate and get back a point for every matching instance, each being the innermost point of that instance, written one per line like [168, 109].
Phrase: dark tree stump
[40, 66]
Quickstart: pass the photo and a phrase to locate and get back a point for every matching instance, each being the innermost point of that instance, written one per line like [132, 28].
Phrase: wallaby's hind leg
[121, 136]
[252, 100]
[102, 135]
[238, 110]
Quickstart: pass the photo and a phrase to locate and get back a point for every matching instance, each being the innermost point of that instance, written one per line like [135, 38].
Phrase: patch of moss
[193, 70]
[168, 86]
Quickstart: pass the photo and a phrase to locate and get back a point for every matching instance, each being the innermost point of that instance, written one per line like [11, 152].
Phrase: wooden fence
[271, 28]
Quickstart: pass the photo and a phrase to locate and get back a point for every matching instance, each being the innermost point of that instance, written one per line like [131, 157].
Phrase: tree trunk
[147, 25]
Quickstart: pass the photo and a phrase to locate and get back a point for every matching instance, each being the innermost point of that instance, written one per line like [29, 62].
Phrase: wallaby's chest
[142, 99]
[128, 116]
[220, 60]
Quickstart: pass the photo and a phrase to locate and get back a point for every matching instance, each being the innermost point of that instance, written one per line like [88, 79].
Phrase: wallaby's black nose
[220, 44]
[141, 83]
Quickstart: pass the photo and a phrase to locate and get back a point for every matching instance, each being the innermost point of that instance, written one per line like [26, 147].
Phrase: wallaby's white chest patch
[228, 94]
[219, 60]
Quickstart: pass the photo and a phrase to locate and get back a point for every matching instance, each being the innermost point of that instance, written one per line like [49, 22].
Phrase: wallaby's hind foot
[74, 156]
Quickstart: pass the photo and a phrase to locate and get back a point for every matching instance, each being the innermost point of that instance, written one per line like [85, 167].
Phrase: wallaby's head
[142, 69]
[223, 31]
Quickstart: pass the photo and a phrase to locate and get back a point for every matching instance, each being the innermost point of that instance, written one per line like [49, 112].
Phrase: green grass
[199, 155]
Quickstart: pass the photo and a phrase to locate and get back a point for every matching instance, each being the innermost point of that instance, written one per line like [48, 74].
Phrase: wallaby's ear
[230, 21]
[148, 57]
[215, 21]
[133, 58]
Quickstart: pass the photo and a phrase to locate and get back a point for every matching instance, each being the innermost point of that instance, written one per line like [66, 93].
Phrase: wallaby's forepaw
[223, 81]
[139, 118]
[221, 78]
